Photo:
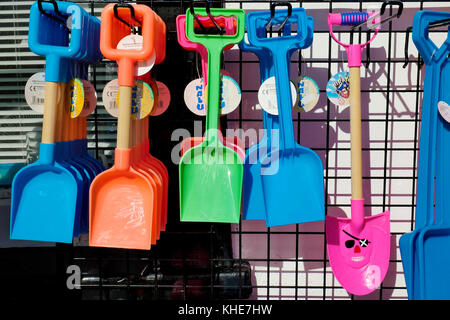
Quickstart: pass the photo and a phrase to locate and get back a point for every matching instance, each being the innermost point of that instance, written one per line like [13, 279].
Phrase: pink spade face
[356, 249]
[359, 260]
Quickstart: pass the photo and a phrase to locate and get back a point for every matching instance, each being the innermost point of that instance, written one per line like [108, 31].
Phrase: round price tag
[152, 83]
[308, 93]
[90, 98]
[35, 92]
[141, 100]
[444, 110]
[338, 89]
[76, 94]
[163, 99]
[267, 96]
[135, 42]
[109, 96]
[195, 96]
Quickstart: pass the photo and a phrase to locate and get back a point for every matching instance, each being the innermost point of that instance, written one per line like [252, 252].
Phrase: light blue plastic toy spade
[45, 193]
[434, 239]
[429, 155]
[292, 175]
[253, 195]
[78, 151]
[71, 149]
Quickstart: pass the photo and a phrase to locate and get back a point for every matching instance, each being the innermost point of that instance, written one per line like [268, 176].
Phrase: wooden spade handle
[50, 112]
[355, 132]
[124, 118]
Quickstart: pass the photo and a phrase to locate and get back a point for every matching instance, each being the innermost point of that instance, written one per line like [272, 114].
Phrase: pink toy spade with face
[358, 248]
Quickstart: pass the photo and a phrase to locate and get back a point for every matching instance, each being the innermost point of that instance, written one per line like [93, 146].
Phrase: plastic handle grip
[353, 18]
[111, 32]
[347, 18]
[426, 47]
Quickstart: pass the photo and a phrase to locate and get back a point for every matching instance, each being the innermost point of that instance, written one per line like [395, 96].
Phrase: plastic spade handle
[192, 46]
[124, 117]
[427, 49]
[281, 48]
[126, 59]
[354, 62]
[351, 18]
[50, 112]
[58, 50]
[433, 58]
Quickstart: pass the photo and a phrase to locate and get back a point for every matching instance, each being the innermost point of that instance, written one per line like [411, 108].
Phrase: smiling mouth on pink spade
[351, 244]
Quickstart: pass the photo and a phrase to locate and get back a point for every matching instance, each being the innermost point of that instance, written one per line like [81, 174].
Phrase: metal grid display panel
[207, 260]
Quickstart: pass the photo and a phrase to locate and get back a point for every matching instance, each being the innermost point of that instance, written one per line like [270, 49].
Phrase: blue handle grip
[48, 38]
[427, 49]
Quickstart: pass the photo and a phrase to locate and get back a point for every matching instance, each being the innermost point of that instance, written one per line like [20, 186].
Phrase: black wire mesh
[213, 261]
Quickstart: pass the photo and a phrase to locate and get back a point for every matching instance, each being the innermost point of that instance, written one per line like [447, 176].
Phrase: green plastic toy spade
[210, 173]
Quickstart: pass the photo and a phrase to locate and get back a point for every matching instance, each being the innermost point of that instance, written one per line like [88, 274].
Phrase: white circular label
[35, 92]
[444, 110]
[109, 96]
[338, 89]
[195, 96]
[308, 93]
[90, 98]
[230, 95]
[142, 99]
[267, 96]
[135, 42]
[163, 99]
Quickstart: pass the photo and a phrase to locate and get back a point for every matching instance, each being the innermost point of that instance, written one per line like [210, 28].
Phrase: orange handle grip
[112, 31]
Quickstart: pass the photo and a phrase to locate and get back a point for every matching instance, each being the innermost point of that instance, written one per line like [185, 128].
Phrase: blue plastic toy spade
[292, 175]
[45, 193]
[253, 195]
[434, 240]
[75, 151]
[414, 246]
[433, 260]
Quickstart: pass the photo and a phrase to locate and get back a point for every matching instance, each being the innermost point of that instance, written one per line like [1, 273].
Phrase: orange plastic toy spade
[122, 198]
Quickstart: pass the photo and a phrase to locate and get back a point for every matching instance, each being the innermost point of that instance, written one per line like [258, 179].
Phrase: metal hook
[408, 31]
[368, 50]
[55, 6]
[272, 14]
[208, 12]
[432, 25]
[380, 13]
[391, 3]
[129, 6]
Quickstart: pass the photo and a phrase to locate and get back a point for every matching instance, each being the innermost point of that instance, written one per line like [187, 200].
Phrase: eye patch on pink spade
[355, 250]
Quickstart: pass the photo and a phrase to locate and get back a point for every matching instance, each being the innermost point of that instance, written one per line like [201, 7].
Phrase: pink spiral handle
[351, 18]
[348, 18]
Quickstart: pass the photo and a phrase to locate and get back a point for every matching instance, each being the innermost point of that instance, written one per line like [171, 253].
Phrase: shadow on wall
[388, 90]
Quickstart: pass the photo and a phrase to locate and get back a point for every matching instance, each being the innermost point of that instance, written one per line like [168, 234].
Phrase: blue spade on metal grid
[292, 175]
[424, 260]
[46, 194]
[253, 195]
